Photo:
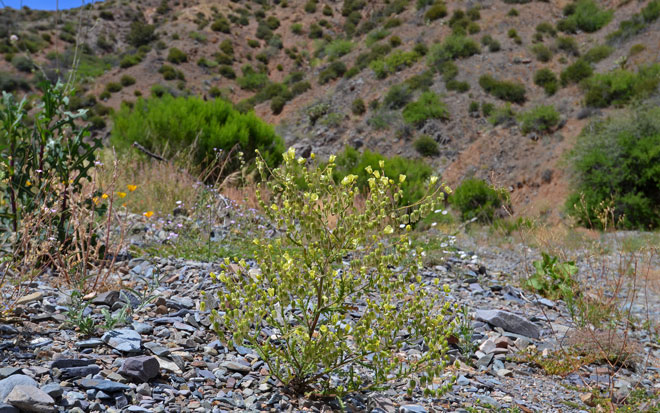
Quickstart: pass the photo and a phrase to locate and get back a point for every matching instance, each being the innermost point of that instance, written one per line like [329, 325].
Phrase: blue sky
[44, 4]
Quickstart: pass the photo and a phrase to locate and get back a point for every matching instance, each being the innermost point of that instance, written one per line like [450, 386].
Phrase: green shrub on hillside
[474, 198]
[616, 163]
[568, 45]
[435, 12]
[546, 79]
[620, 86]
[426, 146]
[542, 52]
[454, 47]
[502, 115]
[576, 72]
[428, 106]
[397, 97]
[637, 23]
[505, 90]
[141, 34]
[538, 119]
[352, 162]
[393, 62]
[598, 53]
[587, 16]
[169, 125]
[127, 80]
[338, 48]
[358, 107]
[176, 56]
[335, 70]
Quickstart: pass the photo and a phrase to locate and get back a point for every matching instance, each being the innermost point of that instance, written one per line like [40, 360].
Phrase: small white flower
[434, 224]
[444, 212]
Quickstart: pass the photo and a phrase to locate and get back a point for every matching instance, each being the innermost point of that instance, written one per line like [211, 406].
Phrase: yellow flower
[95, 199]
[131, 187]
[148, 214]
[28, 183]
[121, 194]
[104, 196]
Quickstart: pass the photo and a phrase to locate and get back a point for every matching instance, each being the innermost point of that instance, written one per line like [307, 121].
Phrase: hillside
[308, 56]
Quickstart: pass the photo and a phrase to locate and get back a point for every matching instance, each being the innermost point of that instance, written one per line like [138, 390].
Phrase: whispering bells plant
[44, 159]
[338, 293]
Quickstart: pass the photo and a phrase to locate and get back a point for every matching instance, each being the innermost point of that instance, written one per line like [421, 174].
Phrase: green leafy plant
[474, 198]
[426, 146]
[620, 86]
[428, 106]
[587, 16]
[547, 80]
[553, 279]
[540, 118]
[328, 321]
[169, 125]
[464, 331]
[77, 317]
[509, 91]
[45, 161]
[615, 166]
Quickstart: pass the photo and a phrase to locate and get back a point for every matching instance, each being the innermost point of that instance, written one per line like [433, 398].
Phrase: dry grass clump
[614, 348]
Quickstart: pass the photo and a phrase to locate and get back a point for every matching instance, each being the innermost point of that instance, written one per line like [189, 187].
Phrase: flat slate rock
[31, 399]
[107, 386]
[8, 384]
[509, 322]
[124, 340]
[141, 368]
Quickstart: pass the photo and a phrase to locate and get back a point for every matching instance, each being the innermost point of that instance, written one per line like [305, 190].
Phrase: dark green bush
[335, 70]
[227, 71]
[263, 31]
[428, 106]
[616, 162]
[637, 23]
[505, 90]
[426, 146]
[568, 45]
[127, 80]
[358, 107]
[221, 24]
[502, 115]
[227, 47]
[277, 104]
[576, 72]
[474, 198]
[272, 22]
[176, 124]
[170, 73]
[252, 80]
[141, 34]
[598, 53]
[546, 28]
[297, 28]
[513, 13]
[454, 47]
[546, 79]
[422, 81]
[397, 97]
[417, 172]
[310, 6]
[22, 63]
[487, 109]
[315, 31]
[587, 16]
[129, 60]
[435, 12]
[620, 86]
[113, 87]
[542, 52]
[457, 85]
[538, 119]
[177, 56]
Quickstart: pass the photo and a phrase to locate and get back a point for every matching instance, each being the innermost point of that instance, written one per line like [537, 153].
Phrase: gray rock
[143, 328]
[412, 408]
[91, 343]
[8, 408]
[8, 384]
[141, 368]
[509, 322]
[31, 399]
[67, 363]
[107, 386]
[124, 340]
[75, 372]
[137, 409]
[107, 298]
[484, 361]
[9, 371]
[157, 349]
[54, 390]
[235, 366]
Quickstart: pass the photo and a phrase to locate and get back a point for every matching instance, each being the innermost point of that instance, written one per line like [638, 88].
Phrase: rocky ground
[167, 359]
